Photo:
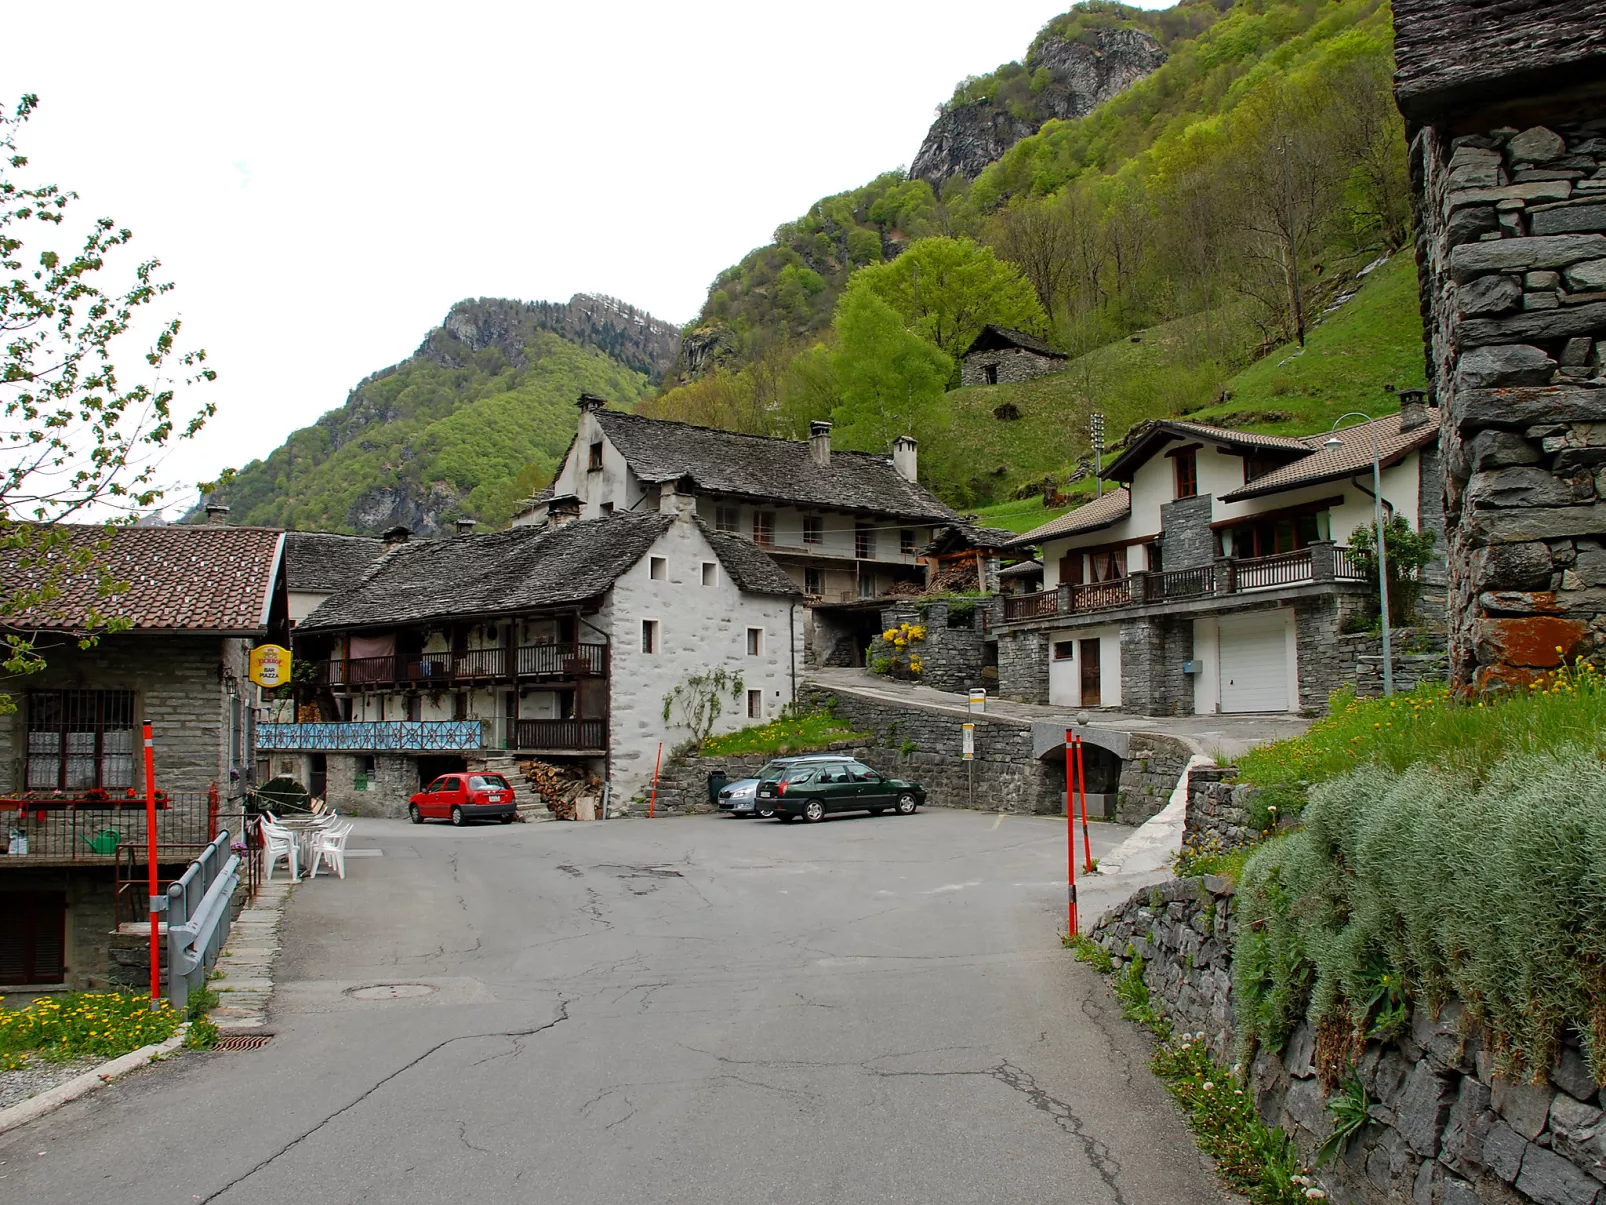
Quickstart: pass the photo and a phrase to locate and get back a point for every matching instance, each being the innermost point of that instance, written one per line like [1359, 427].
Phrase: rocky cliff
[633, 337]
[1070, 77]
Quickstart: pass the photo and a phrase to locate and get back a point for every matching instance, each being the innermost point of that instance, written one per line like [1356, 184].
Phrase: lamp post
[1333, 443]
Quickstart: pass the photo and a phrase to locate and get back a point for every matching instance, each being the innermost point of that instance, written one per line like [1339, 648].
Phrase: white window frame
[652, 634]
[755, 642]
[710, 573]
[755, 704]
[658, 568]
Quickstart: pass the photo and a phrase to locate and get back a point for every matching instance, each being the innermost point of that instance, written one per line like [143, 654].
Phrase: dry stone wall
[1009, 364]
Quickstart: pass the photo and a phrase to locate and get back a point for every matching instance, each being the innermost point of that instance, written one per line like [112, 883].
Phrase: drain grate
[243, 1041]
[390, 991]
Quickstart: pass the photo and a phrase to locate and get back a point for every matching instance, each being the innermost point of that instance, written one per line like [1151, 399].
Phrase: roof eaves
[273, 577]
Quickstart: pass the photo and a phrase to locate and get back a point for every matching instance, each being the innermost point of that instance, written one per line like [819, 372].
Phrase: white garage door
[1254, 663]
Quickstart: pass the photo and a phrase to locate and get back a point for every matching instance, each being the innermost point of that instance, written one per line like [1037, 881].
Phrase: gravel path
[39, 1076]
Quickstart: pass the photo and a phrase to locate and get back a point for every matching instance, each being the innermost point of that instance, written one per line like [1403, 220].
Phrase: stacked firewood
[569, 792]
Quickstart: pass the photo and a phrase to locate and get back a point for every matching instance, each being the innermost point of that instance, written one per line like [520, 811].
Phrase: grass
[1209, 858]
[1428, 725]
[789, 734]
[82, 1024]
[1021, 514]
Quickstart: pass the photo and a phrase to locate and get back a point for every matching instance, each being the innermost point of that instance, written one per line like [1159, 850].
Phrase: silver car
[740, 798]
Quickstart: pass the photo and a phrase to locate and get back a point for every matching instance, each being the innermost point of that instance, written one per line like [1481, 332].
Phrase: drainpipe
[1387, 505]
[791, 631]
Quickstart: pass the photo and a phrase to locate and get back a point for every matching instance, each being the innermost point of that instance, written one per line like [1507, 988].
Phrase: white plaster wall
[614, 482]
[303, 603]
[700, 629]
[1065, 677]
[1401, 490]
[837, 535]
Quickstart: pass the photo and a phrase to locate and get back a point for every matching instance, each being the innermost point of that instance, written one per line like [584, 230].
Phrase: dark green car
[812, 790]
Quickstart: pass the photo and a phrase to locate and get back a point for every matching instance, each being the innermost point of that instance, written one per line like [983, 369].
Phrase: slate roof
[1355, 456]
[323, 561]
[753, 466]
[1007, 336]
[967, 536]
[521, 569]
[181, 578]
[1473, 54]
[1101, 512]
[1031, 568]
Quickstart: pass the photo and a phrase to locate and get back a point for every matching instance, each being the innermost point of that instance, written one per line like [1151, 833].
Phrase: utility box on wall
[1190, 667]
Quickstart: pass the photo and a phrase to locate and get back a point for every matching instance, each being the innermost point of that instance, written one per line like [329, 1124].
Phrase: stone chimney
[217, 515]
[905, 457]
[820, 443]
[565, 508]
[399, 534]
[1413, 409]
[465, 527]
[675, 498]
[591, 402]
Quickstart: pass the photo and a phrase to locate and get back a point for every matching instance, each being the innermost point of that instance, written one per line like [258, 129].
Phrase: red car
[464, 797]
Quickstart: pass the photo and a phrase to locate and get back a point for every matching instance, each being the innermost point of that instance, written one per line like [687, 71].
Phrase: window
[78, 739]
[813, 529]
[906, 541]
[364, 780]
[863, 542]
[595, 462]
[658, 568]
[813, 582]
[866, 585]
[763, 527]
[710, 573]
[755, 704]
[33, 941]
[755, 642]
[989, 373]
[727, 518]
[1187, 473]
[649, 635]
[1064, 650]
[607, 508]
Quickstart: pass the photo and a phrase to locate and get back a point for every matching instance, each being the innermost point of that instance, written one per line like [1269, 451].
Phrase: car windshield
[487, 782]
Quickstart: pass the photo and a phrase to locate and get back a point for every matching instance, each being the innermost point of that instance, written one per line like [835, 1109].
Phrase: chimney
[590, 402]
[465, 527]
[565, 508]
[820, 444]
[905, 457]
[399, 534]
[1413, 409]
[217, 515]
[675, 498]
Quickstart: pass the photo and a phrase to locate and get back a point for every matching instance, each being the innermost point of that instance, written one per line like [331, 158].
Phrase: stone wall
[395, 780]
[1153, 652]
[951, 656]
[1023, 666]
[1013, 364]
[1186, 540]
[1218, 811]
[90, 894]
[1512, 258]
[1149, 775]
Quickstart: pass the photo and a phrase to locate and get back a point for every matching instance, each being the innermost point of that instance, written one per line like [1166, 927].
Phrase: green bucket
[104, 842]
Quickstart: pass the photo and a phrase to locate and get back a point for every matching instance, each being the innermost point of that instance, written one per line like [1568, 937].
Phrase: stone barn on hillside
[1000, 354]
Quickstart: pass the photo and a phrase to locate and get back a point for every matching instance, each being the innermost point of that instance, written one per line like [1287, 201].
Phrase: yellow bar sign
[270, 665]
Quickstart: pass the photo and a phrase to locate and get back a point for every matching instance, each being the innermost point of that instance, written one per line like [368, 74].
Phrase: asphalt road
[698, 1010]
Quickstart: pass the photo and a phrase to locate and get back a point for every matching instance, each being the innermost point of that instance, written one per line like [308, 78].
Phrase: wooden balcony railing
[1180, 583]
[1344, 567]
[1095, 596]
[561, 735]
[1280, 569]
[412, 671]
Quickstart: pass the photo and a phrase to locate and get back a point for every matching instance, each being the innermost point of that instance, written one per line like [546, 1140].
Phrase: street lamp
[1332, 443]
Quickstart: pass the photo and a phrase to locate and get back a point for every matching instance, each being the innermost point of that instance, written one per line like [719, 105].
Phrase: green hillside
[469, 425]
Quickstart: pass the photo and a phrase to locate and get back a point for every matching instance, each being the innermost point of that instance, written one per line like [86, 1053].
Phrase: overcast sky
[323, 181]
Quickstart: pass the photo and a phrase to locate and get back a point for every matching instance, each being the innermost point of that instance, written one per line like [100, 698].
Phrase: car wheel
[508, 819]
[906, 805]
[457, 816]
[814, 811]
[413, 814]
[766, 813]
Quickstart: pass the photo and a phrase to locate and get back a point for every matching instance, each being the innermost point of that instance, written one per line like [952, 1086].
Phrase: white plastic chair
[280, 843]
[329, 849]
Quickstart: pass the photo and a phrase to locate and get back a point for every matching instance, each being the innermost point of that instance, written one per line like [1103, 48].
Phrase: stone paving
[245, 986]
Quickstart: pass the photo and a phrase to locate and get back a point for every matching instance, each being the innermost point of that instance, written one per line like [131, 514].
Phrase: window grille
[78, 739]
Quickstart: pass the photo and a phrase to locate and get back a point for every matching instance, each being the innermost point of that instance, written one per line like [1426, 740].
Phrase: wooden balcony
[472, 667]
[561, 736]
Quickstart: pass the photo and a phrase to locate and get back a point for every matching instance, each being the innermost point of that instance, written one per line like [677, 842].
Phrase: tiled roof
[967, 536]
[1230, 435]
[181, 577]
[1024, 569]
[1353, 457]
[1005, 336]
[521, 569]
[752, 466]
[1101, 512]
[320, 561]
[1157, 434]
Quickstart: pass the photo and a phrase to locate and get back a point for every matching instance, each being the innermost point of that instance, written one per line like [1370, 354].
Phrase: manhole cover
[244, 1041]
[390, 991]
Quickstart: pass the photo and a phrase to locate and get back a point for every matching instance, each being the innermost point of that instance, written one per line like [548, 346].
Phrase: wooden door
[1089, 650]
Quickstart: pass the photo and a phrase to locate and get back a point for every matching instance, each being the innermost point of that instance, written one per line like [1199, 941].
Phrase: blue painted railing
[406, 735]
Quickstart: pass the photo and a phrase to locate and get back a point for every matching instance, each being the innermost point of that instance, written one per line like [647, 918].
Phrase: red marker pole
[150, 859]
[1081, 786]
[1070, 826]
[653, 802]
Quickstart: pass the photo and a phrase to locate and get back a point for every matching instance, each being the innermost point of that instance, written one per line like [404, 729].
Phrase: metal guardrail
[198, 918]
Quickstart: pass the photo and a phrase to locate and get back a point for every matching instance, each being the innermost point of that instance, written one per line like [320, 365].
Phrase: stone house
[1000, 354]
[559, 642]
[1506, 119]
[320, 563]
[1214, 578]
[847, 527]
[198, 599]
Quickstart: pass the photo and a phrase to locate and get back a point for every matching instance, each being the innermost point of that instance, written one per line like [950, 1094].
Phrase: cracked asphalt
[699, 1010]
